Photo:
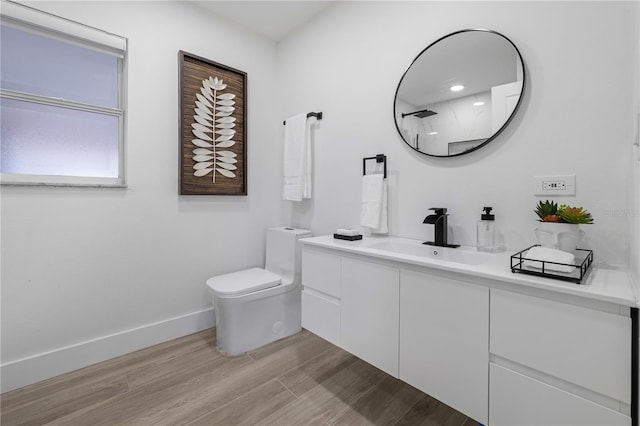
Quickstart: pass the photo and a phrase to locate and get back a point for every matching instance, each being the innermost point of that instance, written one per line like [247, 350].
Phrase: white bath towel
[297, 159]
[547, 255]
[374, 203]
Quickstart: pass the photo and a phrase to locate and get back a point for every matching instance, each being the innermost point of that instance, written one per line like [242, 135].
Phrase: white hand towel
[374, 204]
[550, 255]
[297, 159]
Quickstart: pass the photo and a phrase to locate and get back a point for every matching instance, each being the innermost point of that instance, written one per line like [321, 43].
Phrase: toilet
[258, 306]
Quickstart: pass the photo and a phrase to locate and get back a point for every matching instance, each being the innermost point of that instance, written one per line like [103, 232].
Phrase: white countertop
[604, 283]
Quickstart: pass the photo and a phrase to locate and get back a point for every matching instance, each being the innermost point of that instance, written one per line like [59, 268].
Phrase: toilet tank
[283, 251]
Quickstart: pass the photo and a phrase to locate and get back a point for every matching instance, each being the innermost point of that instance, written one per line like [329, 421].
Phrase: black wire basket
[578, 270]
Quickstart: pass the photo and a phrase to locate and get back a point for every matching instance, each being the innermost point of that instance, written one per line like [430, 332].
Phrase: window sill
[63, 181]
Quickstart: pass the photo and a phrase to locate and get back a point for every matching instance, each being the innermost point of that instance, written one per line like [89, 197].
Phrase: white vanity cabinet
[370, 313]
[558, 363]
[444, 350]
[502, 348]
[321, 294]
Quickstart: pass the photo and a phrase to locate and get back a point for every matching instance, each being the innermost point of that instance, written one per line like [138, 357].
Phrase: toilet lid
[243, 282]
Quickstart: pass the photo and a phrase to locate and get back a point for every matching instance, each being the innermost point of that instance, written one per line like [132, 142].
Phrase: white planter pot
[561, 236]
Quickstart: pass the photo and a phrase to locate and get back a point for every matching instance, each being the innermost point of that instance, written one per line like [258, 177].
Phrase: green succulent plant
[547, 211]
[574, 214]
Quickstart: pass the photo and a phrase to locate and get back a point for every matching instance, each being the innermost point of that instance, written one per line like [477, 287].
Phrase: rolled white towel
[550, 255]
[347, 232]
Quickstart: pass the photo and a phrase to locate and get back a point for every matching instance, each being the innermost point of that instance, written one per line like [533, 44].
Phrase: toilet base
[243, 326]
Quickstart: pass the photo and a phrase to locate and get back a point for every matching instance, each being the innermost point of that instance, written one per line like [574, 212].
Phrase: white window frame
[28, 19]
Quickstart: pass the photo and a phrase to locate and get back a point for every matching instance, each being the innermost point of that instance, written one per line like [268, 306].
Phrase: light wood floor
[300, 380]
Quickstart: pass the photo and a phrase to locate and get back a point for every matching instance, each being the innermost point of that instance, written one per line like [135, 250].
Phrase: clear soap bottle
[487, 232]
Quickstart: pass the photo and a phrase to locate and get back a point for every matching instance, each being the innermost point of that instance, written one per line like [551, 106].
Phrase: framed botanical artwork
[213, 124]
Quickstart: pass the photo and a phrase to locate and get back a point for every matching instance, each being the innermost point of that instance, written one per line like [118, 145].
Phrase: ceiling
[273, 20]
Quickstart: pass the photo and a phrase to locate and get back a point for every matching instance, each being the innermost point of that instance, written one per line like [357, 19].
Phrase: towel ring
[380, 158]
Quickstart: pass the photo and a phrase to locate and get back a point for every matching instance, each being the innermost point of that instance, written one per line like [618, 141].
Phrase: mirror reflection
[459, 93]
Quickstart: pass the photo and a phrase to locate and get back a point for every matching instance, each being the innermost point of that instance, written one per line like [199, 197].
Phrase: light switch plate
[555, 185]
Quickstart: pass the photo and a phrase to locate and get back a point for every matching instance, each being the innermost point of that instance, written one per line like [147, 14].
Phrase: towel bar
[380, 158]
[317, 115]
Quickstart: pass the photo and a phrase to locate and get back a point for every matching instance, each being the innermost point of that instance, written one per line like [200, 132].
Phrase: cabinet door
[320, 294]
[583, 346]
[321, 316]
[369, 307]
[520, 400]
[444, 340]
[321, 271]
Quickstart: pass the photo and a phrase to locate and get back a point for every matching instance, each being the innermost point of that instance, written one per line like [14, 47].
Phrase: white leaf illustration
[217, 83]
[200, 166]
[202, 151]
[201, 144]
[207, 93]
[224, 138]
[226, 173]
[225, 144]
[203, 120]
[201, 135]
[200, 127]
[203, 113]
[213, 129]
[228, 160]
[203, 107]
[204, 100]
[225, 132]
[227, 166]
[202, 172]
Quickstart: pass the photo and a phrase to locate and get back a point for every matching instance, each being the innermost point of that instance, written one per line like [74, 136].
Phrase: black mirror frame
[506, 123]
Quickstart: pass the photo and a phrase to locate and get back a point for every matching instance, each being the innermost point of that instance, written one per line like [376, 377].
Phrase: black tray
[581, 266]
[347, 237]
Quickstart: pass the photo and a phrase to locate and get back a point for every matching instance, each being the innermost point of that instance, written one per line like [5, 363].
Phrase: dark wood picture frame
[213, 127]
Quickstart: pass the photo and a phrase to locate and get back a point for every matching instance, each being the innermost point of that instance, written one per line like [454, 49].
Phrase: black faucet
[439, 219]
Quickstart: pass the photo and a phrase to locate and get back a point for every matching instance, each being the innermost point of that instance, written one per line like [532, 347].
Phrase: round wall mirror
[459, 93]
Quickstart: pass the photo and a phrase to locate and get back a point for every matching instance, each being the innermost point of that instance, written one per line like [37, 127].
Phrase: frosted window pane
[32, 63]
[47, 140]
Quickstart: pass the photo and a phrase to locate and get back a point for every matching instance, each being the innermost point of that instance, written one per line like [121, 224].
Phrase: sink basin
[464, 255]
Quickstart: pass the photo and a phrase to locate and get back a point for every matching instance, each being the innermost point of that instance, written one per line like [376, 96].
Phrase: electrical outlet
[555, 185]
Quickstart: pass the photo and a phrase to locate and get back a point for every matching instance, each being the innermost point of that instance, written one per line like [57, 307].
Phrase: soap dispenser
[487, 232]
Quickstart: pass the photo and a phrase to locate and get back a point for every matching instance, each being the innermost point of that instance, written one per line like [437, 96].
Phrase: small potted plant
[548, 211]
[560, 225]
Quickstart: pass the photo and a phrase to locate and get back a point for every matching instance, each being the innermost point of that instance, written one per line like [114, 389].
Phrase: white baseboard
[25, 371]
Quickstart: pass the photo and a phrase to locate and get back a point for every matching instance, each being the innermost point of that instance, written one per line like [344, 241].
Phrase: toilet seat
[243, 282]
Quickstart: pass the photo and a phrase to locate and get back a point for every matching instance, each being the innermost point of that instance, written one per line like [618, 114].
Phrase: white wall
[575, 118]
[81, 264]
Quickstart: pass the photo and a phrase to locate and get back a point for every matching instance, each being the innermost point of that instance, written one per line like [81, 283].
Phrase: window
[62, 101]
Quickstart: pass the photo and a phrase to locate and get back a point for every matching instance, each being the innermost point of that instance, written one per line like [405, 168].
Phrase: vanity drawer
[516, 399]
[321, 271]
[587, 347]
[321, 316]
